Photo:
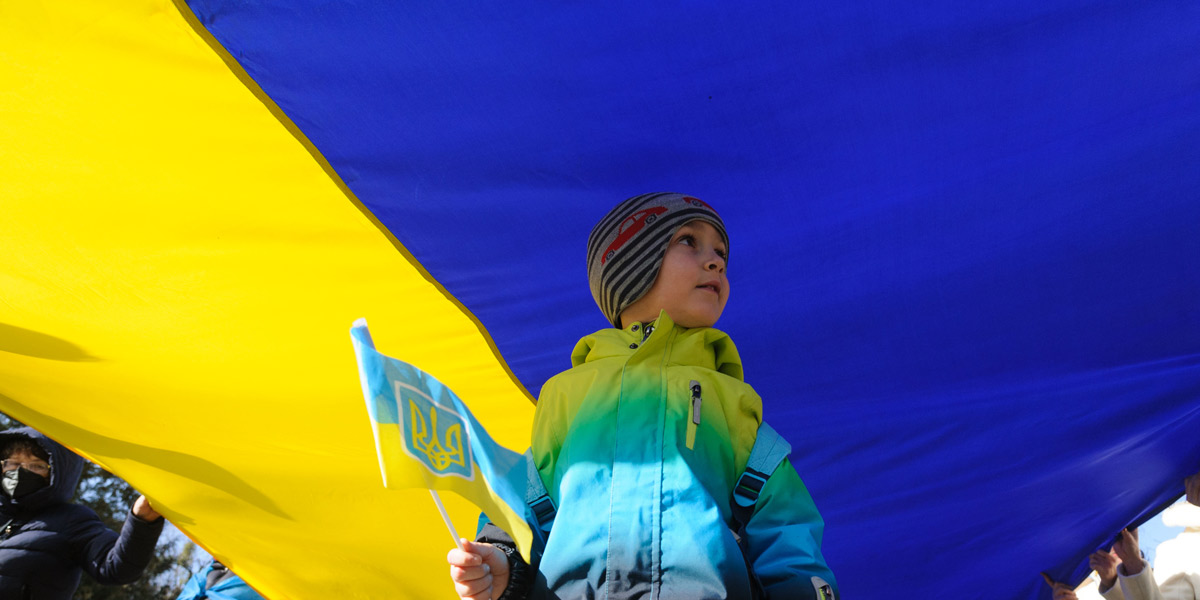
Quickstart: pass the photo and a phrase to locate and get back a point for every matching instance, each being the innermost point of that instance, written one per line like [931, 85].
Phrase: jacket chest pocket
[694, 403]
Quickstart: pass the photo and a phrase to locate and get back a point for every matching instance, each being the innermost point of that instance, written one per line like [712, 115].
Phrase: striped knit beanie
[626, 248]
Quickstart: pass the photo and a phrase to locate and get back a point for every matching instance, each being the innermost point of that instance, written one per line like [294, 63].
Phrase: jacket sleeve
[783, 540]
[520, 576]
[114, 559]
[1140, 586]
[1113, 593]
[1179, 585]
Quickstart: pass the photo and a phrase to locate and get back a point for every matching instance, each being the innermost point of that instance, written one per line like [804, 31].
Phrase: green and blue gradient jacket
[640, 445]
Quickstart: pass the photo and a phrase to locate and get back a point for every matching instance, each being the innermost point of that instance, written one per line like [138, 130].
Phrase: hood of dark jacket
[66, 467]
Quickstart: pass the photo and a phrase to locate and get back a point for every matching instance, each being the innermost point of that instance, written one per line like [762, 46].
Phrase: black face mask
[22, 482]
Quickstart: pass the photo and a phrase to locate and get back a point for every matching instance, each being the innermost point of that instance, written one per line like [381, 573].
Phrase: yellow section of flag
[177, 269]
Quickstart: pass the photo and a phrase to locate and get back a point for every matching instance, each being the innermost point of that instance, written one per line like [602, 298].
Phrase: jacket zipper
[694, 422]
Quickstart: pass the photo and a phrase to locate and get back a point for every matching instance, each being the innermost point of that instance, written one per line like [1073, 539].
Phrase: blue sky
[1153, 532]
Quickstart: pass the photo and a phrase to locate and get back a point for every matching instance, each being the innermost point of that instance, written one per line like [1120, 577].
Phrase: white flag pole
[445, 517]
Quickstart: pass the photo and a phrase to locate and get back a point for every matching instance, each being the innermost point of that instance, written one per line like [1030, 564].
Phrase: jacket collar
[703, 346]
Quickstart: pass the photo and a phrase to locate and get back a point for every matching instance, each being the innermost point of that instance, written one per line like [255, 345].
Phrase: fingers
[472, 579]
[1127, 549]
[1105, 565]
[142, 508]
[470, 554]
[1063, 592]
[469, 574]
[475, 590]
[469, 570]
[1100, 558]
[474, 582]
[1122, 545]
[462, 558]
[484, 550]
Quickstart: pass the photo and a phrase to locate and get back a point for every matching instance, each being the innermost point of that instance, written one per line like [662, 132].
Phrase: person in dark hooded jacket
[45, 540]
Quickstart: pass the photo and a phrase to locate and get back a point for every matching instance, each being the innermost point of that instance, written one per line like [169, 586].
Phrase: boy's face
[691, 285]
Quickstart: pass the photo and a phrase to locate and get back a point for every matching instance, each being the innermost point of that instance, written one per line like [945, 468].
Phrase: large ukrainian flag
[963, 255]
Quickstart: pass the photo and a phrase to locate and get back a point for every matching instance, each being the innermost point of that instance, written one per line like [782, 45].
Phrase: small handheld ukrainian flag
[427, 438]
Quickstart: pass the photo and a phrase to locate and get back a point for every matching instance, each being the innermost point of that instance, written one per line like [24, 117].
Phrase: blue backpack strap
[536, 496]
[767, 454]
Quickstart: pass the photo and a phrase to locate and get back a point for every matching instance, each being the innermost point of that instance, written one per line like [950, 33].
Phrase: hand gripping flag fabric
[426, 437]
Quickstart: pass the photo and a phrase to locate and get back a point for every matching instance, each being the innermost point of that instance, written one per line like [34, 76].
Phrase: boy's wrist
[1132, 568]
[519, 577]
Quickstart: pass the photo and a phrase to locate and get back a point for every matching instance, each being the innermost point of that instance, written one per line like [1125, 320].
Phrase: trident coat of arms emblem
[434, 434]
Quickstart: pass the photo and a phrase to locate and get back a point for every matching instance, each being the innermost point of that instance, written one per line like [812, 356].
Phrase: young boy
[45, 541]
[642, 442]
